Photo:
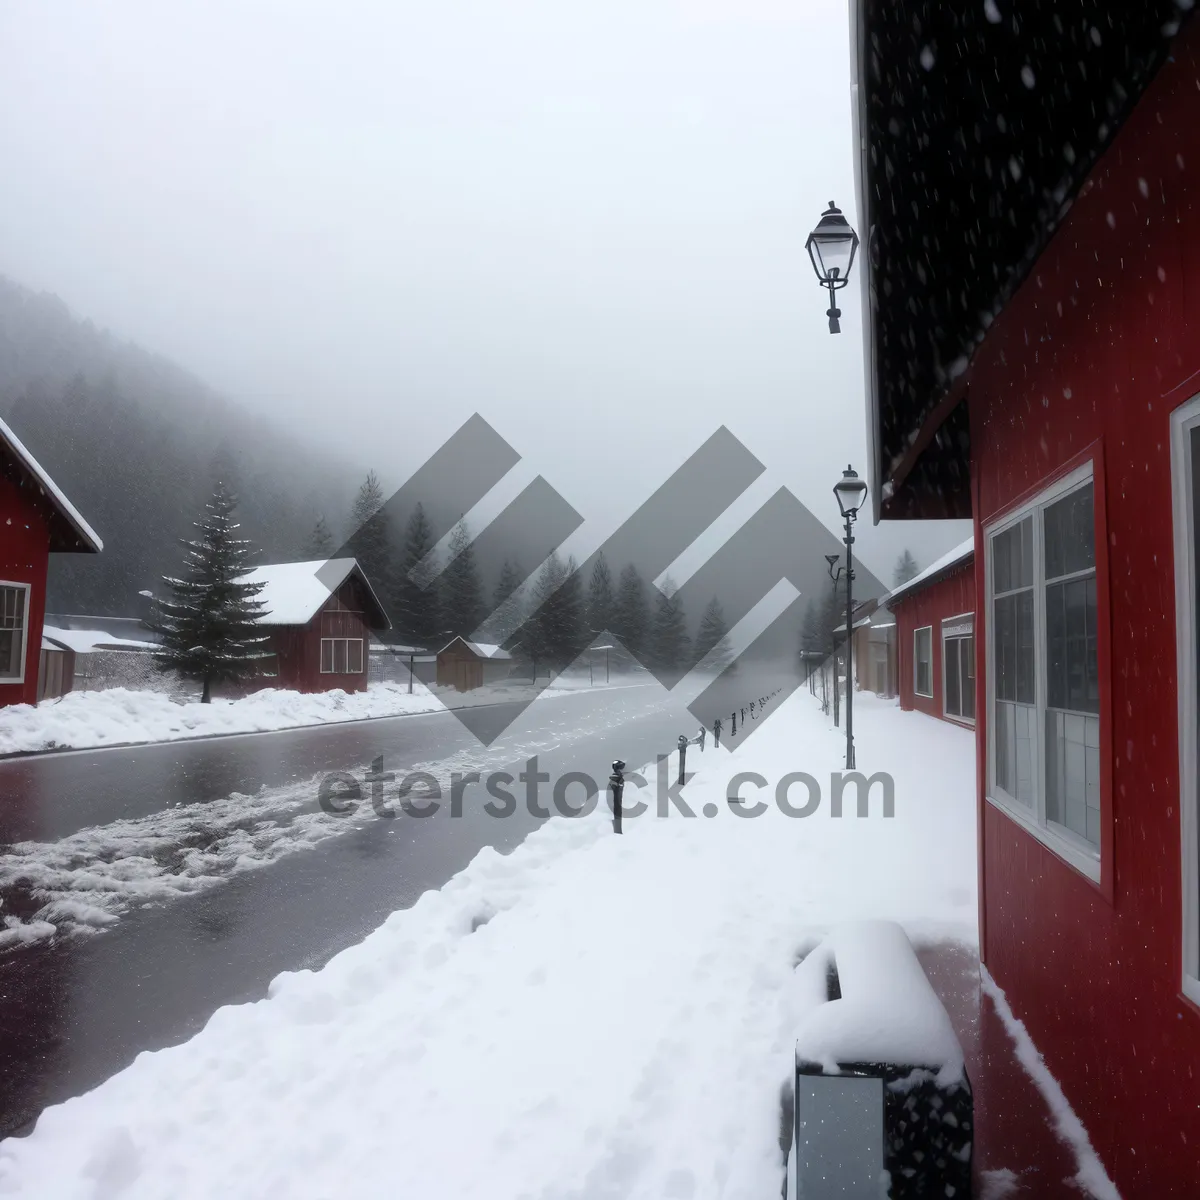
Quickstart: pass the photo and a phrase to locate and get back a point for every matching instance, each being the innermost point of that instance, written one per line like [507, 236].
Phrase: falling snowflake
[991, 11]
[1027, 77]
[927, 58]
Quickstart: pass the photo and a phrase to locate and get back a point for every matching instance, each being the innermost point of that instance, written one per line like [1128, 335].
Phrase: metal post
[700, 738]
[683, 745]
[616, 784]
[752, 716]
[606, 675]
[849, 650]
[412, 658]
[734, 732]
[717, 734]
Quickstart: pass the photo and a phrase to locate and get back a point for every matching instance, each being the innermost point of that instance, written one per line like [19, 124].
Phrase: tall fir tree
[319, 543]
[631, 612]
[416, 612]
[209, 624]
[508, 609]
[906, 568]
[810, 632]
[600, 600]
[461, 593]
[668, 631]
[833, 614]
[370, 539]
[713, 637]
[510, 579]
[554, 633]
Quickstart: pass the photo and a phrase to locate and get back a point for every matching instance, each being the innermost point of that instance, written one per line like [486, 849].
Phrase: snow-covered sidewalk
[589, 1017]
[120, 716]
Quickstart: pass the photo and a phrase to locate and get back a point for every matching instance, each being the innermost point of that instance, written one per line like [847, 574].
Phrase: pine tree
[461, 592]
[416, 611]
[906, 568]
[510, 579]
[713, 636]
[370, 541]
[668, 632]
[600, 603]
[508, 607]
[810, 634]
[319, 543]
[554, 634]
[209, 626]
[833, 614]
[631, 613]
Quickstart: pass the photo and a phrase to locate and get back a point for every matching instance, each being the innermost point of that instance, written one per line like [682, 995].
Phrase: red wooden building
[320, 617]
[935, 623]
[36, 520]
[1029, 198]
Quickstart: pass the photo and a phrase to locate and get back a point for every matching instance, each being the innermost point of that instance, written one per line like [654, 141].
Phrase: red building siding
[1088, 359]
[298, 647]
[950, 596]
[24, 554]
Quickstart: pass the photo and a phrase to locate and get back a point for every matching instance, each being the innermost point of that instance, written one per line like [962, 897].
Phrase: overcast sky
[585, 221]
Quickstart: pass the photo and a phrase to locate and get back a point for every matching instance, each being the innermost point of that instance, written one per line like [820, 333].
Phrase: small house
[465, 665]
[874, 648]
[935, 624]
[36, 520]
[320, 617]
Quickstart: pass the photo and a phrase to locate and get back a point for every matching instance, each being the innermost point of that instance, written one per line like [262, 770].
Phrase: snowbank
[589, 1016]
[119, 716]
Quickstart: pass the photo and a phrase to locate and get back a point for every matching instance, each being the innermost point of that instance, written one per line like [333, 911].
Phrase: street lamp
[850, 492]
[832, 246]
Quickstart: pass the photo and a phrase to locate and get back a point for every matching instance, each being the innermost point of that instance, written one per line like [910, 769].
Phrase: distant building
[36, 520]
[320, 617]
[467, 665]
[874, 647]
[935, 623]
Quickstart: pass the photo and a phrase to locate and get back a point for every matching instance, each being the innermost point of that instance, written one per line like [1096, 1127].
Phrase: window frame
[332, 670]
[1093, 863]
[1184, 420]
[916, 662]
[952, 630]
[27, 588]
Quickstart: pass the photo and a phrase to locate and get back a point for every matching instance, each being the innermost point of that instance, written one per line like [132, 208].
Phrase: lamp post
[850, 492]
[831, 247]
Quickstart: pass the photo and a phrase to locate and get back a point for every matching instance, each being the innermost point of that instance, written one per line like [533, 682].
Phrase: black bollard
[683, 745]
[616, 784]
[752, 716]
[734, 733]
[717, 734]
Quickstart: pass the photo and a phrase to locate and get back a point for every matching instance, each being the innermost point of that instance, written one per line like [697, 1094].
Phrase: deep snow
[589, 1016]
[119, 716]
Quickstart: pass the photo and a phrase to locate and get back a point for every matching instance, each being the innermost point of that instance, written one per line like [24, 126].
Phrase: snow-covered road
[587, 1017]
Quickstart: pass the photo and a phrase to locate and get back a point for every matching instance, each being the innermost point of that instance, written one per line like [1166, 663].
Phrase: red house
[320, 616]
[935, 623]
[36, 520]
[1029, 199]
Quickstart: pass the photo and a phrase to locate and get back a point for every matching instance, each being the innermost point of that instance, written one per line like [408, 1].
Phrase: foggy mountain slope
[136, 442]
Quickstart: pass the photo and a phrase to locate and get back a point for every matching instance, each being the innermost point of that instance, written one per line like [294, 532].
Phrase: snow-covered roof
[483, 649]
[86, 537]
[294, 593]
[87, 641]
[952, 558]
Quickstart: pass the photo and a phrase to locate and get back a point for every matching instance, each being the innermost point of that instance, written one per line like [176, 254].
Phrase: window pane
[12, 624]
[1004, 613]
[326, 655]
[1024, 647]
[923, 657]
[339, 656]
[1072, 675]
[1068, 526]
[10, 652]
[1012, 557]
[1073, 773]
[953, 679]
[355, 656]
[1014, 750]
[966, 658]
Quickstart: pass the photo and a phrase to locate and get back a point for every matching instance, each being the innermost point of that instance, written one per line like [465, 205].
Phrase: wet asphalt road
[76, 1010]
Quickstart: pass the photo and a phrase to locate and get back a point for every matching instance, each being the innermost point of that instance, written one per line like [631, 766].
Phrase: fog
[370, 220]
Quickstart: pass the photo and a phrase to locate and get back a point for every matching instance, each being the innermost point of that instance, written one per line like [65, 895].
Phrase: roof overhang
[975, 127]
[69, 532]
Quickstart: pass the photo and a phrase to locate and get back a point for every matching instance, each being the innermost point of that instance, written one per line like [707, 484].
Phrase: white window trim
[19, 678]
[954, 632]
[333, 656]
[1183, 420]
[916, 690]
[1074, 850]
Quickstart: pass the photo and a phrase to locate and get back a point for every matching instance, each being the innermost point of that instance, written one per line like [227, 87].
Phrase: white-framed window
[341, 656]
[923, 660]
[14, 630]
[1043, 677]
[958, 667]
[1185, 486]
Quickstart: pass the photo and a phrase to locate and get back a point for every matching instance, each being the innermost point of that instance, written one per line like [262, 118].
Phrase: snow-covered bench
[883, 1107]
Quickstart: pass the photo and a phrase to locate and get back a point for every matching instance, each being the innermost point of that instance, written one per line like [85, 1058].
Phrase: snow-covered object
[483, 649]
[888, 1011]
[72, 515]
[952, 558]
[294, 592]
[87, 641]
